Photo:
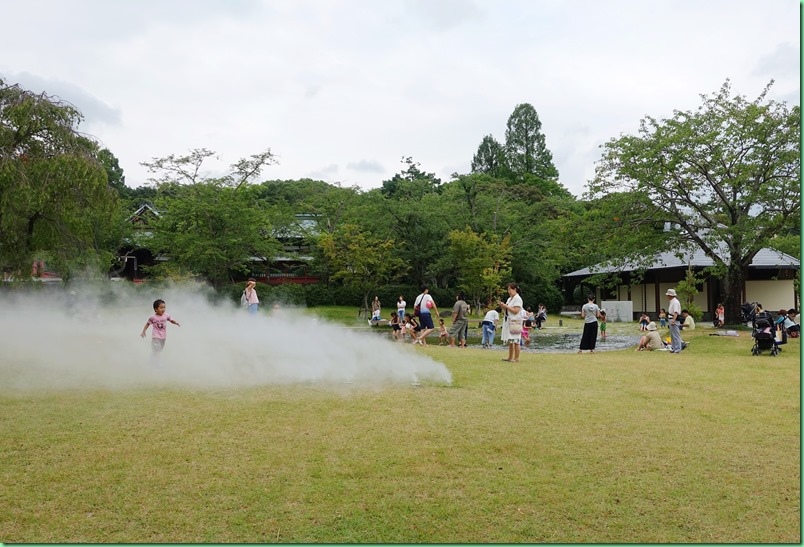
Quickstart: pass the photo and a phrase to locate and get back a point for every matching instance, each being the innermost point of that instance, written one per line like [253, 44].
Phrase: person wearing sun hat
[674, 317]
[652, 340]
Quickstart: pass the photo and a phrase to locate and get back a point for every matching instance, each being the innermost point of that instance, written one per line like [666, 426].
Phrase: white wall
[774, 295]
[700, 299]
[618, 311]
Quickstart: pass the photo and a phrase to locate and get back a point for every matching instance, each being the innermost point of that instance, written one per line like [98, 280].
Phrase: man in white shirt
[674, 318]
[489, 327]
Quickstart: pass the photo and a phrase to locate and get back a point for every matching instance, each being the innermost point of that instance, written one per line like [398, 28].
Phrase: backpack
[243, 300]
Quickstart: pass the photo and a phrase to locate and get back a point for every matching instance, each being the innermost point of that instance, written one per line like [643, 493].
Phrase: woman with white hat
[652, 340]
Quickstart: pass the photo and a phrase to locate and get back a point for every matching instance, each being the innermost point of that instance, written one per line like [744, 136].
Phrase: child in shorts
[395, 326]
[159, 321]
[602, 325]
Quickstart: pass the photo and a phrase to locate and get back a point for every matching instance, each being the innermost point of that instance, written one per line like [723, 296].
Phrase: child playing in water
[411, 326]
[159, 320]
[602, 325]
[443, 335]
[394, 322]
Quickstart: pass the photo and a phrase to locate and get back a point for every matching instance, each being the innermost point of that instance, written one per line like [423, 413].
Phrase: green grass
[613, 447]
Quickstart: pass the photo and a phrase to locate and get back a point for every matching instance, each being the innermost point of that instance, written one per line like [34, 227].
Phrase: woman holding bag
[427, 307]
[512, 324]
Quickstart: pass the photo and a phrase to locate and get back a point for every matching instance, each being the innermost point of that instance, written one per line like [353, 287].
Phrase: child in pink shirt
[159, 320]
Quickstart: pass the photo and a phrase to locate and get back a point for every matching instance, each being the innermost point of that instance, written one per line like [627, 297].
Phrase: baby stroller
[764, 339]
[748, 312]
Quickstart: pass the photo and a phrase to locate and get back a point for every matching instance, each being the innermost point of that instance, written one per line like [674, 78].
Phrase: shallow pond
[549, 342]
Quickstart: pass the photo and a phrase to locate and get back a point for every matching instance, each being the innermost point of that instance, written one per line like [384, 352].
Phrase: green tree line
[724, 175]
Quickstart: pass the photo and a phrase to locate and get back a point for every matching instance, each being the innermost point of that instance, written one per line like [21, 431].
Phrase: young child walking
[159, 321]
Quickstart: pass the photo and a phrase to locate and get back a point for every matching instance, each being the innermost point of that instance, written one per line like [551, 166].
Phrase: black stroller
[764, 336]
[748, 311]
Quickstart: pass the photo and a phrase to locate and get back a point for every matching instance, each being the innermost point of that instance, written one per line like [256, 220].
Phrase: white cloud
[329, 83]
[366, 166]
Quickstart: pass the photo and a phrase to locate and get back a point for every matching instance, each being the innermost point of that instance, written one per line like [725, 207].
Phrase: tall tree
[54, 196]
[490, 158]
[410, 200]
[725, 177]
[525, 145]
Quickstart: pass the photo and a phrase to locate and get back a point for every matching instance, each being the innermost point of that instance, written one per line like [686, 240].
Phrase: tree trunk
[733, 297]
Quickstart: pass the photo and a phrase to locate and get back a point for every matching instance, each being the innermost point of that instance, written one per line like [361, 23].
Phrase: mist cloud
[91, 340]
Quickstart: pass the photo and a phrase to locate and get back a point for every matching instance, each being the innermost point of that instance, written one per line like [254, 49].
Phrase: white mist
[54, 340]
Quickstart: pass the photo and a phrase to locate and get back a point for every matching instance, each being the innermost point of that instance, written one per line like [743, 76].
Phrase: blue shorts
[426, 321]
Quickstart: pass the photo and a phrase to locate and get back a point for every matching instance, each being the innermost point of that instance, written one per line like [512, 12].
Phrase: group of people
[529, 320]
[417, 325]
[687, 321]
[788, 321]
[674, 318]
[516, 321]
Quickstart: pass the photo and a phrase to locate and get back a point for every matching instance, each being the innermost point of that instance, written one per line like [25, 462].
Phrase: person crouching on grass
[652, 341]
[159, 321]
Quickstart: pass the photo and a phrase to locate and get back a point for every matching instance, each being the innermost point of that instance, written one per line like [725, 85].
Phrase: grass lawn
[616, 447]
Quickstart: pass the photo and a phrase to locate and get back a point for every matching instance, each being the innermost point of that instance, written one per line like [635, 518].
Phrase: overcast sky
[341, 90]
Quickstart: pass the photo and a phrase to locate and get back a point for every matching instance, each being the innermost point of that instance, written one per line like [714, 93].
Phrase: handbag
[417, 309]
[515, 325]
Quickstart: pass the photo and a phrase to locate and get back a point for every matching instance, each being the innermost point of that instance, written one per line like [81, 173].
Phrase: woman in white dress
[512, 308]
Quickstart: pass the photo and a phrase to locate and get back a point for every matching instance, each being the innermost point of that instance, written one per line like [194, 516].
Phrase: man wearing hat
[674, 315]
[652, 340]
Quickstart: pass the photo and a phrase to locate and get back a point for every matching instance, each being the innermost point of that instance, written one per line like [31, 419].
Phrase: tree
[482, 264]
[54, 196]
[525, 145]
[114, 173]
[410, 200]
[361, 260]
[209, 226]
[211, 230]
[724, 178]
[187, 168]
[490, 158]
[411, 182]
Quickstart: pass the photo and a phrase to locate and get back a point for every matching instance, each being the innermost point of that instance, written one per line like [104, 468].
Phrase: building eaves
[764, 259]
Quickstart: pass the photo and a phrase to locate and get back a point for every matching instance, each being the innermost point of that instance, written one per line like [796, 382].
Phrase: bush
[694, 310]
